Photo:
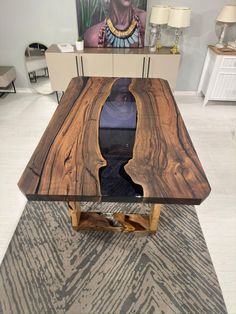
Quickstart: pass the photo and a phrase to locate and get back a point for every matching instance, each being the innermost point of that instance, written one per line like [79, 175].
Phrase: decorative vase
[79, 45]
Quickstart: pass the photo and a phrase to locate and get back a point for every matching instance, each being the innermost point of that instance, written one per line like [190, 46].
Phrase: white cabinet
[148, 65]
[62, 67]
[163, 66]
[110, 62]
[218, 79]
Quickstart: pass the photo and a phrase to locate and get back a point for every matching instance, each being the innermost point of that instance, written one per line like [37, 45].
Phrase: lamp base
[155, 38]
[158, 45]
[220, 44]
[175, 50]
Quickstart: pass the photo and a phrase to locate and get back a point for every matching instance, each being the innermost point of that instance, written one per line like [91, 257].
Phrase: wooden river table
[116, 140]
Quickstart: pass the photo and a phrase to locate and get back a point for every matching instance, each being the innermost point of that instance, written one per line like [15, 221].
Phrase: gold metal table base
[116, 222]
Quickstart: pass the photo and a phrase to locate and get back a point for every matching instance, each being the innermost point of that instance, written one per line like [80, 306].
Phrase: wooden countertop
[223, 51]
[143, 51]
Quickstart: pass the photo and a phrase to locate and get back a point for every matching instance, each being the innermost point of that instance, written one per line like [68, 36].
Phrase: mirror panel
[37, 69]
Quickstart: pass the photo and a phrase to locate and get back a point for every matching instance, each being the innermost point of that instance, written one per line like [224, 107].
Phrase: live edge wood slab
[67, 161]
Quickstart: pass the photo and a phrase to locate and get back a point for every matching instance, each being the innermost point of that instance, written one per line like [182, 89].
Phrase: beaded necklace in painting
[120, 39]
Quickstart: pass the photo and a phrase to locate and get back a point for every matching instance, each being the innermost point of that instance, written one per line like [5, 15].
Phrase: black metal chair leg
[57, 97]
[13, 86]
[9, 91]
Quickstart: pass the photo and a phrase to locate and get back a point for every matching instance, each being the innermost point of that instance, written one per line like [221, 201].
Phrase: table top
[116, 140]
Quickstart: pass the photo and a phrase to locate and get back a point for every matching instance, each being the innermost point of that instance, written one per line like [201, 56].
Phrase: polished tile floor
[23, 118]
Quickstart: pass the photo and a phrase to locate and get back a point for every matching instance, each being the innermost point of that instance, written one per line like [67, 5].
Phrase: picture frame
[112, 23]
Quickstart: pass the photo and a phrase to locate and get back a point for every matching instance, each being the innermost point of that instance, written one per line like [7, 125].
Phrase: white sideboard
[218, 79]
[110, 62]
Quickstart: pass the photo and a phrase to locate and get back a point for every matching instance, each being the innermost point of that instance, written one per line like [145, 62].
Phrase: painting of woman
[122, 27]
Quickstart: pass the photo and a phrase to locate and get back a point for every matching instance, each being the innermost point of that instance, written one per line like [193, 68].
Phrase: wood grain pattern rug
[49, 268]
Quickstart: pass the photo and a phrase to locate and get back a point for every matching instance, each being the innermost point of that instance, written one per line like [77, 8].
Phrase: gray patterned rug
[49, 268]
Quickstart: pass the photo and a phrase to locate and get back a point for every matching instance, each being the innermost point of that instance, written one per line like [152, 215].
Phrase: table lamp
[159, 16]
[179, 18]
[226, 16]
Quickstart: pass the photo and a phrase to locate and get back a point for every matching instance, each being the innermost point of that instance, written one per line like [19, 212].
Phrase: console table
[110, 62]
[218, 79]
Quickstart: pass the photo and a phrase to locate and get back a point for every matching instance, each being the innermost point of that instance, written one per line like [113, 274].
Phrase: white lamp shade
[179, 17]
[159, 15]
[227, 14]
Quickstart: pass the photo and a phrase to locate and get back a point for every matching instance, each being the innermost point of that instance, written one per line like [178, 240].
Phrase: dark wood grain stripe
[32, 174]
[49, 268]
[75, 159]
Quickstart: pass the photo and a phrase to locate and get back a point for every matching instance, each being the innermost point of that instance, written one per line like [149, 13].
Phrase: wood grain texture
[66, 163]
[71, 168]
[31, 177]
[117, 222]
[154, 217]
[75, 214]
[162, 142]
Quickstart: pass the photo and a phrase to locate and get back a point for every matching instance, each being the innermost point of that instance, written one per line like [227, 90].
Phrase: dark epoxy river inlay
[116, 139]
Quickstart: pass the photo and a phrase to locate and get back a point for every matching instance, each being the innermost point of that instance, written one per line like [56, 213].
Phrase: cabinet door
[224, 87]
[96, 64]
[129, 65]
[62, 67]
[164, 67]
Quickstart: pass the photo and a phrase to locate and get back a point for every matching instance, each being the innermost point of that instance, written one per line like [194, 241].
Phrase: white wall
[53, 21]
[25, 21]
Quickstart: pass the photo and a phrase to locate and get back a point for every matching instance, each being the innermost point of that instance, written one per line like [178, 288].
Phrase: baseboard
[25, 90]
[185, 93]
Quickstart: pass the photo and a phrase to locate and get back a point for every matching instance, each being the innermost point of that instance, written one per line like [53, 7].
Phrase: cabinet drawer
[96, 64]
[228, 62]
[164, 67]
[62, 67]
[225, 86]
[126, 65]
